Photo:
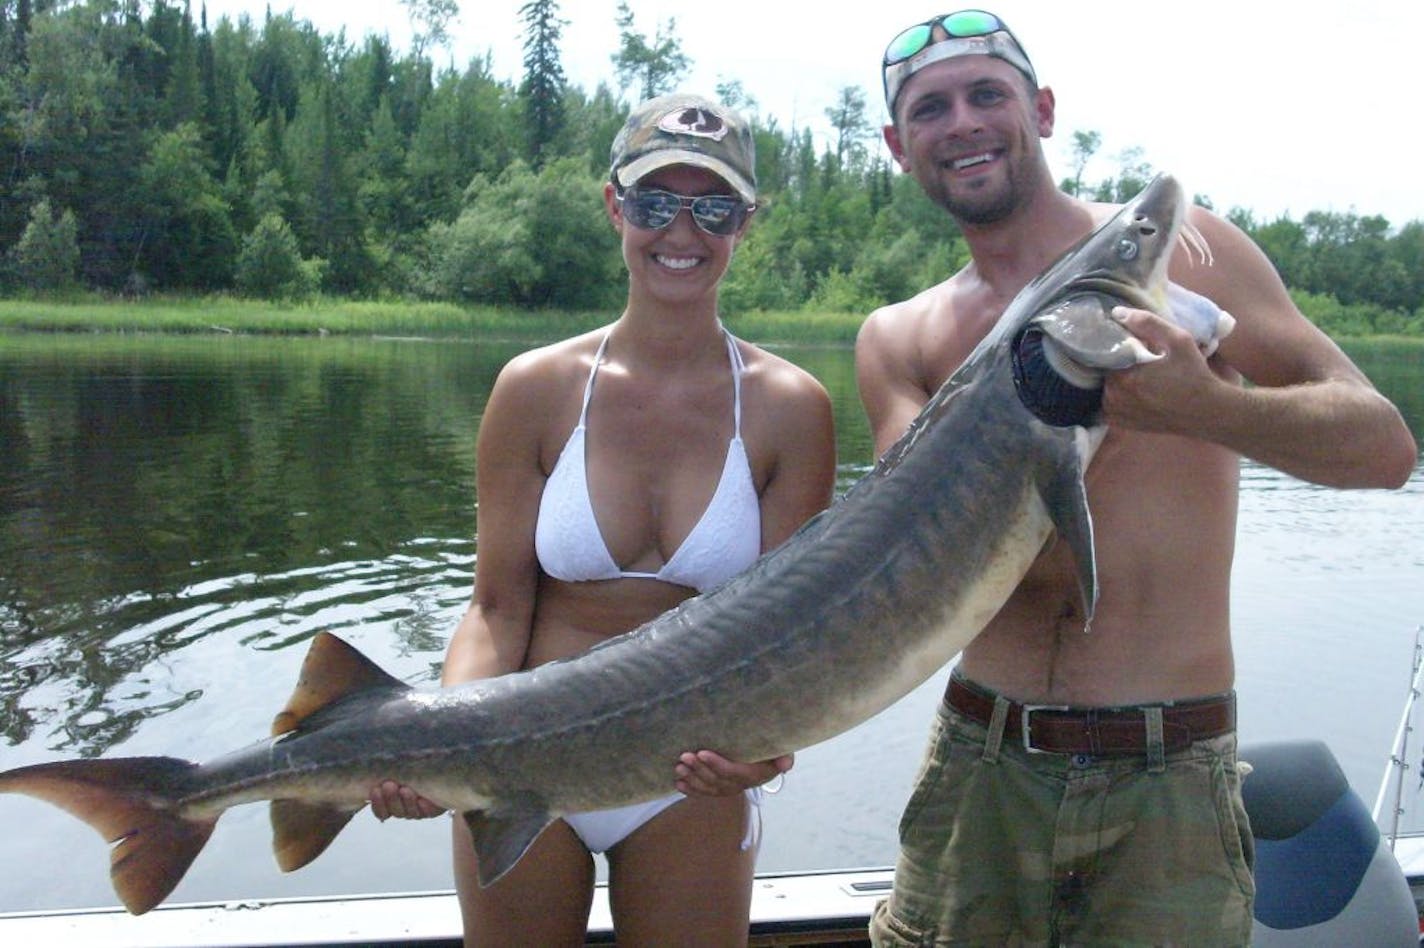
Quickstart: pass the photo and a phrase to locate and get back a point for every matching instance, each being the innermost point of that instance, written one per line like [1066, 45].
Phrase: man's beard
[980, 209]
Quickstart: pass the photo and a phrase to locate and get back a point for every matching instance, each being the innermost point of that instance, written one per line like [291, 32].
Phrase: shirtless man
[1131, 829]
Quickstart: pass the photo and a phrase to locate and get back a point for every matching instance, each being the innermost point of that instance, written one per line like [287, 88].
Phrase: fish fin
[301, 831]
[502, 839]
[1066, 497]
[133, 802]
[331, 671]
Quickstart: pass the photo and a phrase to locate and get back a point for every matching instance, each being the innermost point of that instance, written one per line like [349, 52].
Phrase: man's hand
[1170, 394]
[389, 799]
[707, 773]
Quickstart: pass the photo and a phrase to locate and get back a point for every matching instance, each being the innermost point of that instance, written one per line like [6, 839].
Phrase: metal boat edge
[788, 910]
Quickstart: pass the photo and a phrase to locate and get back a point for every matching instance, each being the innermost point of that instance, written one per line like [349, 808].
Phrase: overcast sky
[1277, 106]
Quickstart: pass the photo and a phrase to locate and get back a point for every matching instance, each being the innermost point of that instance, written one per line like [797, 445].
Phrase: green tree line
[144, 149]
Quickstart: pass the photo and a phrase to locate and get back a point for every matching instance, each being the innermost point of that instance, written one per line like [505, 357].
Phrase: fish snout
[1198, 315]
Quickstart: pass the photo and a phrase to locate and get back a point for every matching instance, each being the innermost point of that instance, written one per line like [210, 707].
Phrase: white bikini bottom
[601, 830]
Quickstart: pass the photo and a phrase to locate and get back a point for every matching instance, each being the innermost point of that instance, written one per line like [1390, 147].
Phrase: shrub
[270, 265]
[46, 257]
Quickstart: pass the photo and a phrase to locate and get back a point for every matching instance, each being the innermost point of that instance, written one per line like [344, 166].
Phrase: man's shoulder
[908, 317]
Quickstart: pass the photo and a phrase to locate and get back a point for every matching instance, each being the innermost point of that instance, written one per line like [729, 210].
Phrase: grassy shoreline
[331, 316]
[219, 314]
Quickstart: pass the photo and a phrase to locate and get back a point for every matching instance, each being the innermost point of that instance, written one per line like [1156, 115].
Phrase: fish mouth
[1080, 349]
[1150, 295]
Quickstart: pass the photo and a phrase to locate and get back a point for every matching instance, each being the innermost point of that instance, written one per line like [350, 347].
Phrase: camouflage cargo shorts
[1003, 847]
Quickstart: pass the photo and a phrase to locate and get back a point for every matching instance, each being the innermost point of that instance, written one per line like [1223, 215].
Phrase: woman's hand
[707, 773]
[389, 799]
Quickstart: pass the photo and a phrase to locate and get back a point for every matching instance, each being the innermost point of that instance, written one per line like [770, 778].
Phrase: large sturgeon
[858, 608]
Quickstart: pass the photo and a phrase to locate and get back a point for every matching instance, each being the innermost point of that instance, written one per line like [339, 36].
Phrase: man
[1145, 841]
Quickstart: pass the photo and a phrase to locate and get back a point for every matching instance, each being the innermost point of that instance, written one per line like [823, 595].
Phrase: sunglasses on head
[964, 24]
[960, 25]
[720, 215]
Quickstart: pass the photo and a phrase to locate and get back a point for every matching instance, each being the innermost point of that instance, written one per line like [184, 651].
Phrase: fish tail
[135, 804]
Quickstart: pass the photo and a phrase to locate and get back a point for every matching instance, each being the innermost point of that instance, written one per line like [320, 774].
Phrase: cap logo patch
[694, 121]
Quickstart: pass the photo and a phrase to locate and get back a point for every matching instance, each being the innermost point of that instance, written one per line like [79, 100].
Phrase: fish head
[1123, 262]
[1127, 256]
[1060, 331]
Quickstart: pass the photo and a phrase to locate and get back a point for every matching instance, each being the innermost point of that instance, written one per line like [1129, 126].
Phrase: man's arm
[891, 390]
[1308, 411]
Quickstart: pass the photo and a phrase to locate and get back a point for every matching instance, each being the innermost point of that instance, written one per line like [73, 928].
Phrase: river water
[179, 515]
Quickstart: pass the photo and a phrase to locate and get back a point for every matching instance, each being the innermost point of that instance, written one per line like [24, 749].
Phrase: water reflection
[153, 492]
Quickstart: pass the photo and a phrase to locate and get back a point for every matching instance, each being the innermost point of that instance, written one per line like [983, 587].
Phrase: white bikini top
[725, 541]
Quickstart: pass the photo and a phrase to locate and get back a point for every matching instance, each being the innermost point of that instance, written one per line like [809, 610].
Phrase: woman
[620, 472]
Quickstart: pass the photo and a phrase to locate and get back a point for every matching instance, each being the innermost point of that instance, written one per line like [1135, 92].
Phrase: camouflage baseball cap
[684, 129]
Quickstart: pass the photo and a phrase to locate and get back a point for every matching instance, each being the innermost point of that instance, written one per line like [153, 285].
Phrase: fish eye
[1126, 249]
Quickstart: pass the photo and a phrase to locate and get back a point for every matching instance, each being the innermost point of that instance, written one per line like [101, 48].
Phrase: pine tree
[654, 67]
[852, 128]
[543, 88]
[184, 95]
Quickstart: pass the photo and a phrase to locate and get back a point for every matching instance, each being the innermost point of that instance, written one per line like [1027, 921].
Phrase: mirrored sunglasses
[720, 215]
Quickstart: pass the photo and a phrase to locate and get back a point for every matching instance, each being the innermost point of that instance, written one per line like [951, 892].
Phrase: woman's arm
[493, 636]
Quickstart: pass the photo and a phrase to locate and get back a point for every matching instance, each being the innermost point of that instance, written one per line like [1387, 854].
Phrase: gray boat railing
[1398, 764]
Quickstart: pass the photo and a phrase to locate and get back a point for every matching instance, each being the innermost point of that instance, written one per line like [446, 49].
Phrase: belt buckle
[1025, 714]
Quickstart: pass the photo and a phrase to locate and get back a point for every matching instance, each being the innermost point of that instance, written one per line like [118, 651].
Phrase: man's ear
[1045, 105]
[897, 151]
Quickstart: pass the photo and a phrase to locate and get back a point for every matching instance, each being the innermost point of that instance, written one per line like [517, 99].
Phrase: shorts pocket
[889, 931]
[930, 773]
[1236, 837]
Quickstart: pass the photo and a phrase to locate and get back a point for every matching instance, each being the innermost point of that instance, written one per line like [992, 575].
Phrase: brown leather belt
[1099, 732]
